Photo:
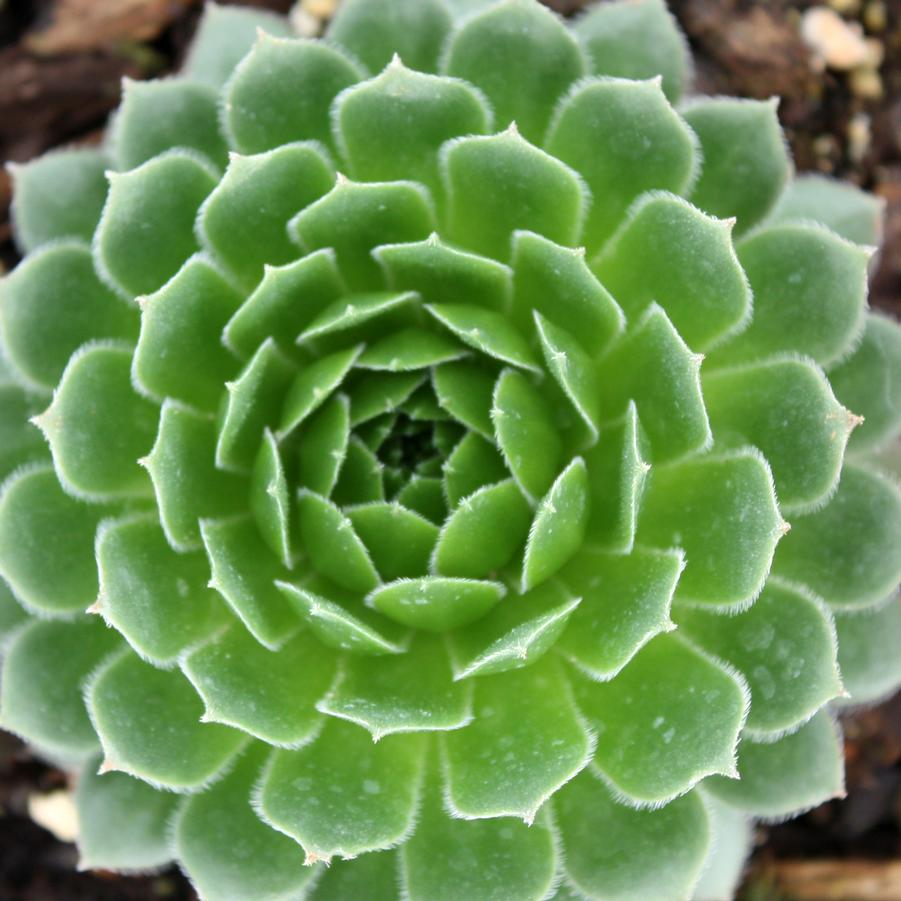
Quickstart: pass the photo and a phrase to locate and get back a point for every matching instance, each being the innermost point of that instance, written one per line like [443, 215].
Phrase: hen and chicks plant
[443, 462]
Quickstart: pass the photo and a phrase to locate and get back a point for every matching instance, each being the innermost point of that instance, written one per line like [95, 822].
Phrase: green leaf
[334, 548]
[44, 668]
[786, 648]
[244, 572]
[867, 651]
[746, 158]
[147, 229]
[284, 303]
[502, 183]
[323, 445]
[436, 604]
[727, 855]
[12, 614]
[484, 532]
[869, 383]
[617, 472]
[58, 195]
[447, 858]
[358, 317]
[381, 392]
[224, 36]
[658, 734]
[409, 349]
[722, 511]
[690, 269]
[374, 30]
[179, 353]
[148, 721]
[810, 289]
[360, 631]
[559, 525]
[269, 500]
[526, 741]
[392, 126]
[187, 484]
[784, 778]
[282, 92]
[227, 851]
[243, 222]
[399, 541]
[20, 440]
[155, 116]
[360, 480]
[514, 634]
[98, 426]
[856, 215]
[50, 305]
[270, 694]
[786, 409]
[465, 390]
[312, 386]
[522, 56]
[123, 823]
[355, 217]
[636, 40]
[410, 692]
[343, 794]
[372, 876]
[47, 544]
[158, 599]
[425, 495]
[441, 274]
[473, 463]
[623, 138]
[625, 603]
[643, 852]
[846, 551]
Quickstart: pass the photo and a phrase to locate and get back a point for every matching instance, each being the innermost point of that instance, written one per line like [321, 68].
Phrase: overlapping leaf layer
[425, 411]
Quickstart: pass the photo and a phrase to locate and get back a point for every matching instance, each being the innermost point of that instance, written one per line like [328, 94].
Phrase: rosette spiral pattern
[425, 408]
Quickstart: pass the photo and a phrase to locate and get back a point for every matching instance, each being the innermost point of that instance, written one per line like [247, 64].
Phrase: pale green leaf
[323, 445]
[868, 642]
[269, 500]
[372, 876]
[399, 541]
[410, 349]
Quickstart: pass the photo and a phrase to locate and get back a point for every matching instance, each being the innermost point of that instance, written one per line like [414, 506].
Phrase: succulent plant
[424, 410]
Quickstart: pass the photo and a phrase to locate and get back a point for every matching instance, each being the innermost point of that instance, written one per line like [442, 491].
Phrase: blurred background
[837, 67]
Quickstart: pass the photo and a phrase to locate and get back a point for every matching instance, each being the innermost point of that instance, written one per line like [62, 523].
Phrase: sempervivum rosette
[429, 405]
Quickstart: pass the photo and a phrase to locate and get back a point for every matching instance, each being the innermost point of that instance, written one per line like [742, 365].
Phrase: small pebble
[55, 811]
[839, 44]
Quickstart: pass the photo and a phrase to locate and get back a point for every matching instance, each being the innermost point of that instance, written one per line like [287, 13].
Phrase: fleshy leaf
[122, 821]
[44, 667]
[381, 392]
[484, 532]
[659, 736]
[355, 217]
[270, 501]
[689, 268]
[786, 409]
[187, 484]
[372, 876]
[436, 604]
[356, 317]
[623, 138]
[270, 694]
[50, 305]
[559, 525]
[244, 572]
[746, 161]
[344, 795]
[360, 480]
[158, 599]
[784, 645]
[147, 228]
[784, 778]
[868, 641]
[47, 543]
[625, 603]
[636, 40]
[727, 855]
[474, 462]
[410, 349]
[243, 222]
[12, 614]
[847, 550]
[157, 115]
[465, 390]
[282, 92]
[58, 195]
[98, 426]
[129, 700]
[21, 441]
[323, 445]
[227, 851]
[425, 495]
[522, 56]
[179, 352]
[722, 511]
[643, 852]
[503, 764]
[399, 540]
[410, 692]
